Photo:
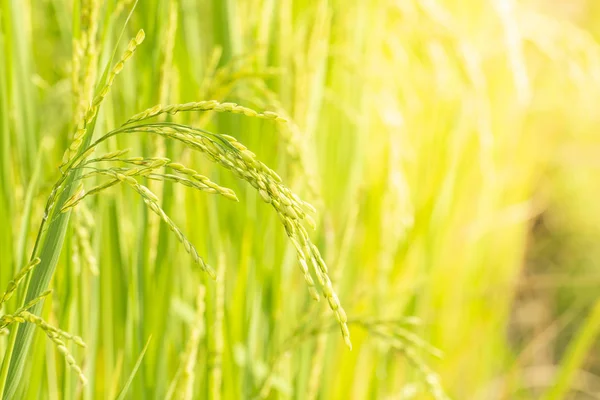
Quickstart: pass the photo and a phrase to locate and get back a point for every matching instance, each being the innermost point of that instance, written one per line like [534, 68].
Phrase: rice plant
[221, 149]
[428, 167]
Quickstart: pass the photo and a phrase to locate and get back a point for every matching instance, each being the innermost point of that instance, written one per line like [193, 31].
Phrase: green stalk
[20, 256]
[21, 339]
[48, 247]
[6, 158]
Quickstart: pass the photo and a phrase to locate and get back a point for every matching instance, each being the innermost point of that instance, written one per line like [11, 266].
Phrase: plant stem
[49, 252]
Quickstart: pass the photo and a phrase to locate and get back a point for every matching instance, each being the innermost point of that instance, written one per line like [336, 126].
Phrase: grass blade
[137, 365]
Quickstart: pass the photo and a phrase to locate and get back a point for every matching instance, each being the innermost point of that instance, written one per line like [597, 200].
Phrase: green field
[181, 179]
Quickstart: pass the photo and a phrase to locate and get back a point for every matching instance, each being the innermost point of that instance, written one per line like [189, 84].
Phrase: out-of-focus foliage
[452, 149]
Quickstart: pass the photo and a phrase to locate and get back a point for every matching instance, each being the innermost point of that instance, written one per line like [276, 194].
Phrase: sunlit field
[181, 180]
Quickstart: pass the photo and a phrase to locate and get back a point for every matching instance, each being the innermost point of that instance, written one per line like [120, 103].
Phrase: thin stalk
[47, 247]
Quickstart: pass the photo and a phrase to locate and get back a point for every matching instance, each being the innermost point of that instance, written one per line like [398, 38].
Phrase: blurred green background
[452, 149]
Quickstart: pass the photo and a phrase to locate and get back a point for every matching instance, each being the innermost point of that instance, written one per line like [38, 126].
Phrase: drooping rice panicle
[33, 302]
[22, 314]
[151, 201]
[231, 154]
[202, 183]
[61, 347]
[51, 330]
[14, 283]
[209, 105]
[148, 166]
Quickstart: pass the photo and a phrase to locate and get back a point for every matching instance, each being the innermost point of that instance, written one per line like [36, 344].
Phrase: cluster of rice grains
[209, 105]
[231, 154]
[224, 150]
[221, 149]
[292, 211]
[22, 315]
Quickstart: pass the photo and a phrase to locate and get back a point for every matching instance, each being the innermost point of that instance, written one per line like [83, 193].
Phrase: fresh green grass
[449, 148]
